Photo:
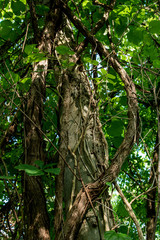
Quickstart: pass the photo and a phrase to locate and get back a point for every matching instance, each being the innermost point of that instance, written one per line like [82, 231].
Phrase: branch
[130, 211]
[97, 27]
[34, 20]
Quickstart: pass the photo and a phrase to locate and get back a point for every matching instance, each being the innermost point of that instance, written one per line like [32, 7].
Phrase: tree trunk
[82, 144]
[36, 216]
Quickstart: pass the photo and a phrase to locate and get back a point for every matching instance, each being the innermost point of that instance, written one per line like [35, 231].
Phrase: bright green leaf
[55, 171]
[110, 76]
[64, 50]
[104, 71]
[26, 166]
[29, 169]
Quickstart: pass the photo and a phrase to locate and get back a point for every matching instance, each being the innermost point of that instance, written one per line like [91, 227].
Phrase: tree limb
[130, 211]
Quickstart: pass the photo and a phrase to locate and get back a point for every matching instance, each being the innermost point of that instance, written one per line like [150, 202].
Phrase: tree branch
[34, 20]
[130, 211]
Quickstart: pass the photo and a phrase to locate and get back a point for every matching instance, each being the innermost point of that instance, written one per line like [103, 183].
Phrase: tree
[79, 109]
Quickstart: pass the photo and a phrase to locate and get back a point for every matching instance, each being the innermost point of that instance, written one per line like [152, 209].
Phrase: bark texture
[82, 142]
[91, 191]
[36, 216]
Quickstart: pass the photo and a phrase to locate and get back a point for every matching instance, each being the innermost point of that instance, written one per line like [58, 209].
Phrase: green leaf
[135, 35]
[64, 50]
[117, 141]
[121, 210]
[5, 28]
[154, 26]
[156, 63]
[34, 172]
[42, 9]
[12, 76]
[3, 4]
[85, 2]
[104, 71]
[55, 171]
[109, 184]
[33, 54]
[18, 7]
[94, 62]
[111, 235]
[7, 177]
[110, 76]
[30, 49]
[29, 169]
[116, 128]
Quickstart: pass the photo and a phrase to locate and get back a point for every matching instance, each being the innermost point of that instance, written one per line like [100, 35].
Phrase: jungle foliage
[131, 34]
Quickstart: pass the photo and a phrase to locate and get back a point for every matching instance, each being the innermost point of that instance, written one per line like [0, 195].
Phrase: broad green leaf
[29, 169]
[89, 60]
[23, 1]
[13, 77]
[30, 49]
[116, 128]
[64, 50]
[117, 141]
[25, 80]
[18, 7]
[85, 2]
[135, 35]
[5, 28]
[154, 26]
[109, 184]
[7, 177]
[33, 54]
[55, 171]
[104, 71]
[42, 9]
[110, 76]
[32, 172]
[94, 62]
[121, 209]
[37, 57]
[111, 235]
[26, 166]
[156, 63]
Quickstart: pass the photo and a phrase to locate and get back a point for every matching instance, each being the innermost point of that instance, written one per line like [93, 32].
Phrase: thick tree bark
[36, 216]
[82, 143]
[35, 205]
[92, 190]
